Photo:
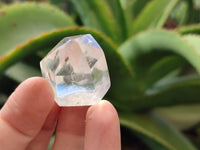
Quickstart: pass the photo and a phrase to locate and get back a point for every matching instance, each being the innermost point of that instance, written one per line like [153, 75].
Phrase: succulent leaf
[159, 40]
[156, 132]
[182, 117]
[190, 29]
[109, 20]
[154, 14]
[24, 21]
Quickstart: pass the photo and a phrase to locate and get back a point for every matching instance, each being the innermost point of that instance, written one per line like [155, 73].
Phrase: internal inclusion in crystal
[77, 71]
[73, 82]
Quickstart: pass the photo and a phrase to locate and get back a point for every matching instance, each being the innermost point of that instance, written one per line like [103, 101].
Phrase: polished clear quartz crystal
[77, 71]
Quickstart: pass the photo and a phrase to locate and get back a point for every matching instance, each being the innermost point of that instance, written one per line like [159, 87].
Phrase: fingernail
[91, 111]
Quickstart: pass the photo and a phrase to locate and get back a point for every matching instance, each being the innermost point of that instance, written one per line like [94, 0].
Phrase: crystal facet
[77, 71]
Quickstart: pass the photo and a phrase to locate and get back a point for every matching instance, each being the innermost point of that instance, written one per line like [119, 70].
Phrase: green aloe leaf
[3, 98]
[132, 9]
[194, 40]
[22, 21]
[21, 71]
[104, 15]
[166, 13]
[191, 29]
[117, 70]
[51, 143]
[159, 41]
[118, 13]
[169, 92]
[2, 4]
[154, 15]
[182, 12]
[163, 41]
[182, 117]
[156, 132]
[162, 68]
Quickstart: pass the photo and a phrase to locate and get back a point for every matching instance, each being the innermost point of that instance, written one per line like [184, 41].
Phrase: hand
[29, 117]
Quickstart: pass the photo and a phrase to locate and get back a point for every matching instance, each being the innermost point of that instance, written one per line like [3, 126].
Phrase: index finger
[24, 113]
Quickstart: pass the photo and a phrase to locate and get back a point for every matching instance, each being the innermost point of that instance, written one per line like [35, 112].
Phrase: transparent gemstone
[77, 71]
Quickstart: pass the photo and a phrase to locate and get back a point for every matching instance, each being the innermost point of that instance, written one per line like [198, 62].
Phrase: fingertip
[36, 85]
[103, 106]
[39, 90]
[102, 127]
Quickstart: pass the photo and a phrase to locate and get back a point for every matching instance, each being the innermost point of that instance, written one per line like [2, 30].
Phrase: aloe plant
[153, 69]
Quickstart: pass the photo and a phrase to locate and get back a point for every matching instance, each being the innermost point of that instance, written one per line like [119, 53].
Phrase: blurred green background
[153, 54]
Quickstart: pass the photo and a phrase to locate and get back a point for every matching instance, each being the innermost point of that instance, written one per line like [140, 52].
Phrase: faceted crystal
[77, 71]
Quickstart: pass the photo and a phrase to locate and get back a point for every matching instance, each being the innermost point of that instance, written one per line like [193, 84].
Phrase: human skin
[30, 115]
